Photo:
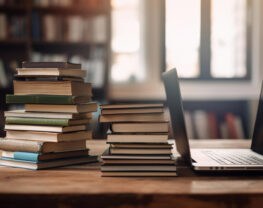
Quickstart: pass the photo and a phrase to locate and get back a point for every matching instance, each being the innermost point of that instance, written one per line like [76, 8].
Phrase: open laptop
[212, 159]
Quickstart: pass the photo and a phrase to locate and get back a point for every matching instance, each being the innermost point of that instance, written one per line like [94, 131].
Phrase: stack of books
[52, 130]
[138, 141]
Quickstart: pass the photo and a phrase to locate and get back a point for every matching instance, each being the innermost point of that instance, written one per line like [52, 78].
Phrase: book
[127, 106]
[48, 136]
[24, 114]
[119, 151]
[36, 157]
[46, 164]
[142, 146]
[41, 147]
[137, 162]
[56, 72]
[52, 88]
[151, 117]
[213, 126]
[65, 65]
[57, 129]
[46, 121]
[140, 127]
[138, 174]
[107, 156]
[230, 121]
[137, 138]
[79, 108]
[47, 99]
[131, 111]
[201, 124]
[135, 168]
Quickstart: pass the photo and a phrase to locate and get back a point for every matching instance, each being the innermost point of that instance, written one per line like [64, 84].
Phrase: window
[208, 39]
[125, 43]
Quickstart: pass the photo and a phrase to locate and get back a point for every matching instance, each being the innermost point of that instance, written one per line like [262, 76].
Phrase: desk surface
[83, 185]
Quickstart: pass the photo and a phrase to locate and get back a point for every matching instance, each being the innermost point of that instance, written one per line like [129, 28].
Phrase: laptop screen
[174, 100]
[257, 139]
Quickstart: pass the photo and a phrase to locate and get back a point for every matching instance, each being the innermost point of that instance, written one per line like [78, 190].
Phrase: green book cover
[37, 121]
[40, 99]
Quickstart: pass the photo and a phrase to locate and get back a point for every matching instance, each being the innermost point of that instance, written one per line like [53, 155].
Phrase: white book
[201, 124]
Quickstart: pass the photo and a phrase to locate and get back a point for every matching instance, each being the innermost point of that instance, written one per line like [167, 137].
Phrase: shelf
[14, 42]
[65, 43]
[12, 9]
[70, 10]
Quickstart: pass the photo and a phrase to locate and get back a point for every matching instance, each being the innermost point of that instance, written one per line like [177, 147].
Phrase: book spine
[27, 156]
[40, 99]
[13, 145]
[37, 121]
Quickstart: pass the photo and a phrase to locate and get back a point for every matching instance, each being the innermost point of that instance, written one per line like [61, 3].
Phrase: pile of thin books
[138, 141]
[52, 129]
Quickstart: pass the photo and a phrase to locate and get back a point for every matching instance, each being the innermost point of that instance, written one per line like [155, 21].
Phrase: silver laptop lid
[257, 139]
[174, 100]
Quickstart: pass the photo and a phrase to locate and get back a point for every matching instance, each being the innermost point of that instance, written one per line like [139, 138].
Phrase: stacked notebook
[138, 141]
[52, 130]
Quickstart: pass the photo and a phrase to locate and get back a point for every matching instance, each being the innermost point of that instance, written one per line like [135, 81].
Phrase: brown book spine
[21, 146]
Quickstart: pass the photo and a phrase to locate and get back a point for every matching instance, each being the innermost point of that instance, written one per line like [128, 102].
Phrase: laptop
[212, 159]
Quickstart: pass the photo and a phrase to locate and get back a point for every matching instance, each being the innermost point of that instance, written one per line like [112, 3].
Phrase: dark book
[131, 106]
[138, 174]
[138, 168]
[47, 99]
[65, 65]
[131, 111]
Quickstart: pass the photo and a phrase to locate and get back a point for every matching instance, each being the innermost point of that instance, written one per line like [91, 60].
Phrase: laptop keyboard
[225, 158]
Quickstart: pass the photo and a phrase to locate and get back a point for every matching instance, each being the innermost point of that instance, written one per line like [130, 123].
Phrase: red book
[212, 122]
[230, 120]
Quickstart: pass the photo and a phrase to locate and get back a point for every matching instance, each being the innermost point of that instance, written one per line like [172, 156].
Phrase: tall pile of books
[138, 141]
[52, 130]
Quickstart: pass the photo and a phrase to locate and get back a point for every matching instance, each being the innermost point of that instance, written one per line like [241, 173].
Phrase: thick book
[107, 156]
[48, 136]
[41, 147]
[50, 72]
[36, 157]
[140, 127]
[148, 117]
[58, 129]
[128, 106]
[46, 164]
[138, 174]
[24, 114]
[135, 168]
[47, 99]
[64, 65]
[46, 121]
[52, 88]
[137, 138]
[143, 146]
[79, 108]
[131, 111]
[135, 151]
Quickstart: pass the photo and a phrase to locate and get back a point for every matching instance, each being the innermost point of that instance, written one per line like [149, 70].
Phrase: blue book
[35, 26]
[32, 165]
[38, 157]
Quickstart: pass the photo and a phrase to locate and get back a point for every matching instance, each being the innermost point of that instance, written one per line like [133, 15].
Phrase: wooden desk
[83, 186]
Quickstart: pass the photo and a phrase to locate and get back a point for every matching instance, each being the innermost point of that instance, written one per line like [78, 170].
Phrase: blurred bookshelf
[218, 119]
[77, 31]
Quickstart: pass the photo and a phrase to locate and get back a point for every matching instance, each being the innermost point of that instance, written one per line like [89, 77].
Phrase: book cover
[65, 65]
[46, 99]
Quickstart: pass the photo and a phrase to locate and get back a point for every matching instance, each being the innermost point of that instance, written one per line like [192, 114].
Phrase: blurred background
[125, 45]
